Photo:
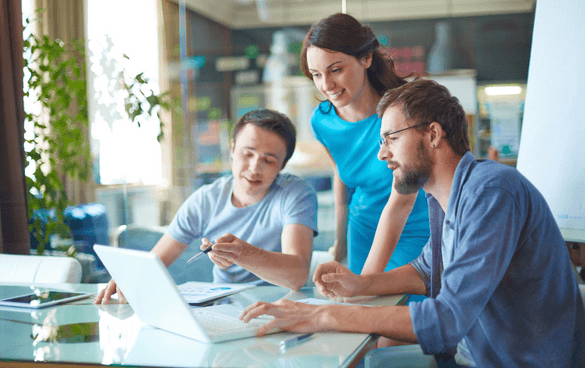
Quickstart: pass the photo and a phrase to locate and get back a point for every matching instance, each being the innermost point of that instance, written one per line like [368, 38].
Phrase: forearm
[287, 270]
[400, 280]
[393, 322]
[390, 227]
[341, 210]
[168, 249]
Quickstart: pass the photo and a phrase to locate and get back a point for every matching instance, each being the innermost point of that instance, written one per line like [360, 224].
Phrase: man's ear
[436, 134]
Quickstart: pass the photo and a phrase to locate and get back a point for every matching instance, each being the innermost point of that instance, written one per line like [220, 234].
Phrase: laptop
[153, 295]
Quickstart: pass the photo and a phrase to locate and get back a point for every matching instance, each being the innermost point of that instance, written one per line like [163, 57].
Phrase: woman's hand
[338, 250]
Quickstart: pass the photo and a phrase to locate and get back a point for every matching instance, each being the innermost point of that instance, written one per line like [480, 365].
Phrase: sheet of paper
[200, 292]
[315, 301]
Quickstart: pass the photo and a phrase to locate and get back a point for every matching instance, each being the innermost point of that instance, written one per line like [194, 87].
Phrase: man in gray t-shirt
[209, 212]
[261, 222]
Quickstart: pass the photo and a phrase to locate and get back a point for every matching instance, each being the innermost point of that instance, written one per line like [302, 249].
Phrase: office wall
[497, 47]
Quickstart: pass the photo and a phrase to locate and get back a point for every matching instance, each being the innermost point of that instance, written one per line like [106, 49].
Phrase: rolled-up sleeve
[422, 265]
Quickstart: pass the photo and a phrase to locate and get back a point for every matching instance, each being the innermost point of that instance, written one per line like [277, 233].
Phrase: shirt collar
[461, 173]
[458, 180]
[279, 181]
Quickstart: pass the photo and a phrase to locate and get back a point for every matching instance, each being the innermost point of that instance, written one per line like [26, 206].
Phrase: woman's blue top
[354, 147]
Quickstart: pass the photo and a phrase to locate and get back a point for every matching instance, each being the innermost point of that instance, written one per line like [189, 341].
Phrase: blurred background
[194, 67]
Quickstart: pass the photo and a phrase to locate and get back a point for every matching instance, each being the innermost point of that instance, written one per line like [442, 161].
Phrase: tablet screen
[43, 299]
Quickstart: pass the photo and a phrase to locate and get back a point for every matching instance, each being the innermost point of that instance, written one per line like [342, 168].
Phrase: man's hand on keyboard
[288, 315]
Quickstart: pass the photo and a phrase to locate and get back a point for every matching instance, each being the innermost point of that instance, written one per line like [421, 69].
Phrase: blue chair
[88, 223]
[320, 183]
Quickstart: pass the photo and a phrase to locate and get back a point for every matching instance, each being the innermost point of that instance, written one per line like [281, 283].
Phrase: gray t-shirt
[209, 213]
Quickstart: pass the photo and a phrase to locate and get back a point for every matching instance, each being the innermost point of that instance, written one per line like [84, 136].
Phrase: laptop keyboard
[212, 321]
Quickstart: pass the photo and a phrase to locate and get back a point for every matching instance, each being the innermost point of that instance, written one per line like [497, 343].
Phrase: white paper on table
[200, 292]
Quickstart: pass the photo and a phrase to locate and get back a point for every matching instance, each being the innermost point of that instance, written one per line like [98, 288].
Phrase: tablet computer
[43, 298]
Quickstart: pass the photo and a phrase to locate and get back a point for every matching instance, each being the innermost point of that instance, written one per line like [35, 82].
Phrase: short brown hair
[274, 122]
[425, 100]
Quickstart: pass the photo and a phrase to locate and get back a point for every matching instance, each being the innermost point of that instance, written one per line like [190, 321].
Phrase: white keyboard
[212, 321]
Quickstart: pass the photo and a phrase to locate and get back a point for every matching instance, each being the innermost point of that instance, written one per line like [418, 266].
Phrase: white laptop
[156, 300]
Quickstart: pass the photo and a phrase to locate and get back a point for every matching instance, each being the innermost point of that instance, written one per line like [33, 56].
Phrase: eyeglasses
[383, 142]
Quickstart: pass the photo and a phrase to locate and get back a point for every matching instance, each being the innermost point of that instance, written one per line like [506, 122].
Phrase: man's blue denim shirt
[503, 278]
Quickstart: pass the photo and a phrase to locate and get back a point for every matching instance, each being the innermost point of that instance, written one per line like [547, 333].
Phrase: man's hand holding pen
[226, 250]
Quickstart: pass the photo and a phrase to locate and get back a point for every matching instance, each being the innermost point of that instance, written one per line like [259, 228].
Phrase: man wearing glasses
[496, 268]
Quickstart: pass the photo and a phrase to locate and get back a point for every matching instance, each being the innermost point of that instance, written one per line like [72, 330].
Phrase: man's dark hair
[271, 121]
[424, 100]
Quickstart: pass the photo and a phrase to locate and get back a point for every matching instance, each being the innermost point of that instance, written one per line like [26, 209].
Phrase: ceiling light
[503, 90]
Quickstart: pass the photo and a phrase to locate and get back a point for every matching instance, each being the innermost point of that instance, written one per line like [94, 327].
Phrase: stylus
[203, 252]
[291, 343]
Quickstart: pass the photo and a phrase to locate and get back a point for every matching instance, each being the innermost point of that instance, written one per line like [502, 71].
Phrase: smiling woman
[343, 59]
[342, 79]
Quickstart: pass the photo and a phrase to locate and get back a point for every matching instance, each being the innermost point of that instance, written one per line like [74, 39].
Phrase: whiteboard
[552, 143]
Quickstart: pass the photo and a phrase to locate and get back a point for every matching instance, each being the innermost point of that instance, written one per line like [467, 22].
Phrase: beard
[414, 177]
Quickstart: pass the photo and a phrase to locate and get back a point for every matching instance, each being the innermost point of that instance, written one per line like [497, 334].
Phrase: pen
[292, 342]
[204, 251]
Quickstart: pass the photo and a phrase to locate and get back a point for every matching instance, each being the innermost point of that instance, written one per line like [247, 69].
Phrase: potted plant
[55, 76]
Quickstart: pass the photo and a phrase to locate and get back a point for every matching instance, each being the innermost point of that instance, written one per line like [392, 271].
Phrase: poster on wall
[212, 141]
[505, 126]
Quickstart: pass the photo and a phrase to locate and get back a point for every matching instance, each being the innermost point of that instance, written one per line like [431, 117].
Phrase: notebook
[153, 295]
